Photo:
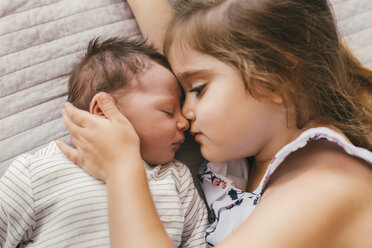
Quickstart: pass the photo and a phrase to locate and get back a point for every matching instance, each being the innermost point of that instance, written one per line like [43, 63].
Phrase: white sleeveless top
[224, 183]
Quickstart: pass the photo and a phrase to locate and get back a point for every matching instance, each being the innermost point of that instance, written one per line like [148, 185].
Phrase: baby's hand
[101, 143]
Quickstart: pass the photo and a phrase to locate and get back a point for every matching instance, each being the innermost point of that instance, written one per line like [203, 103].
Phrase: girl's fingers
[79, 117]
[108, 107]
[77, 143]
[71, 126]
[71, 153]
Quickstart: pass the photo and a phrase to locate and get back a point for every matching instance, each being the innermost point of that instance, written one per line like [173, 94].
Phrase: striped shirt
[48, 201]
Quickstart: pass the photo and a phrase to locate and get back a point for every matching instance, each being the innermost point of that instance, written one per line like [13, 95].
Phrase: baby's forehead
[155, 78]
[154, 85]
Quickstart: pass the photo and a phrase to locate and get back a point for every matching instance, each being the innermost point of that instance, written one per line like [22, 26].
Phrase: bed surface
[40, 40]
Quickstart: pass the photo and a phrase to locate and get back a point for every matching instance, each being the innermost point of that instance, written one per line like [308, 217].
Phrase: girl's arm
[153, 17]
[133, 219]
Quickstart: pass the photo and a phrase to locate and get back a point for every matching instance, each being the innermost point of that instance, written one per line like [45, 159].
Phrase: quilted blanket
[40, 40]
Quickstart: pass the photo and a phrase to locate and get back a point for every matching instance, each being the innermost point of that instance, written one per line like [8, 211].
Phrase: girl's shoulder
[328, 164]
[325, 183]
[322, 157]
[319, 148]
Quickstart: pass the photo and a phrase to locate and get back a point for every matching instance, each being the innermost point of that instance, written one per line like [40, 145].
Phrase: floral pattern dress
[224, 183]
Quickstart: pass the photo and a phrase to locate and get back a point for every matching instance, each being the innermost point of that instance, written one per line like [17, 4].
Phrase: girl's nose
[187, 111]
[183, 123]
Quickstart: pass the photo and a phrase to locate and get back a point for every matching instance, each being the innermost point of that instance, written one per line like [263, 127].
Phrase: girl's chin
[211, 156]
[216, 156]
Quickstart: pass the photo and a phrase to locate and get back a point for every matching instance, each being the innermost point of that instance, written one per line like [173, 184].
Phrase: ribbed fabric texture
[48, 201]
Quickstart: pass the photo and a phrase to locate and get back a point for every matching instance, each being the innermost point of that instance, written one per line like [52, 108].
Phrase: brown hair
[286, 46]
[108, 66]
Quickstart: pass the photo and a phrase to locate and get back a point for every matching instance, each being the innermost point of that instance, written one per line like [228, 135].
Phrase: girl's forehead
[181, 44]
[180, 56]
[179, 49]
[188, 60]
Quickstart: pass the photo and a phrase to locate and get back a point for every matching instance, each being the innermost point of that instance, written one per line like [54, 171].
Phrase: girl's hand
[101, 143]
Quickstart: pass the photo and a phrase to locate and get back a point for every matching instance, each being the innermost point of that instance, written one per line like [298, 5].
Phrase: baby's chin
[156, 160]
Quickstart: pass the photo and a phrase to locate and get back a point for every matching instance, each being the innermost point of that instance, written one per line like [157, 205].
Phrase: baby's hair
[108, 66]
[291, 47]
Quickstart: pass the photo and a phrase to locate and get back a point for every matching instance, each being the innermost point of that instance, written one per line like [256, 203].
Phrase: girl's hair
[291, 47]
[107, 66]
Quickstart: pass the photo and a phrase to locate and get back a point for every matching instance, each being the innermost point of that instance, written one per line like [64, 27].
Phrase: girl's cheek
[202, 110]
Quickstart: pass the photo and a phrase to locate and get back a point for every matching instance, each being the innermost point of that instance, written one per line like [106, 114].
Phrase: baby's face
[152, 104]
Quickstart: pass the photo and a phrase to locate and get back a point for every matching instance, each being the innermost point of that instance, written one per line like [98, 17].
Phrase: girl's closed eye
[198, 89]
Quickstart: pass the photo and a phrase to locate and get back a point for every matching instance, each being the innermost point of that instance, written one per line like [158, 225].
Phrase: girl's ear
[281, 97]
[277, 98]
[94, 107]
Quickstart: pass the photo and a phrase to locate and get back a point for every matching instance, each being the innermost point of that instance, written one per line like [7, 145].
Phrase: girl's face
[226, 120]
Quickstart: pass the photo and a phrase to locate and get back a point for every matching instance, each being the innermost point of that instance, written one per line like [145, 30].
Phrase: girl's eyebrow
[187, 76]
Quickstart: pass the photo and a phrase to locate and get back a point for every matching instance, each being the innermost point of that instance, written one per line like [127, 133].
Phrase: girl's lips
[194, 133]
[197, 136]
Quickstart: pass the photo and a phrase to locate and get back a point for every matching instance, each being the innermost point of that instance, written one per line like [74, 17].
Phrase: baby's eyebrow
[171, 99]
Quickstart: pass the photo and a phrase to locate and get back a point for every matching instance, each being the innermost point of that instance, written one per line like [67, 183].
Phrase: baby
[48, 201]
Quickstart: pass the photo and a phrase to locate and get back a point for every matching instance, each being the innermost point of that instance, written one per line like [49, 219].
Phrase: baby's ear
[94, 107]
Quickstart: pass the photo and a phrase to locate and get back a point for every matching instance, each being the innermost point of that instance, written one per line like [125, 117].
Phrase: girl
[265, 80]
